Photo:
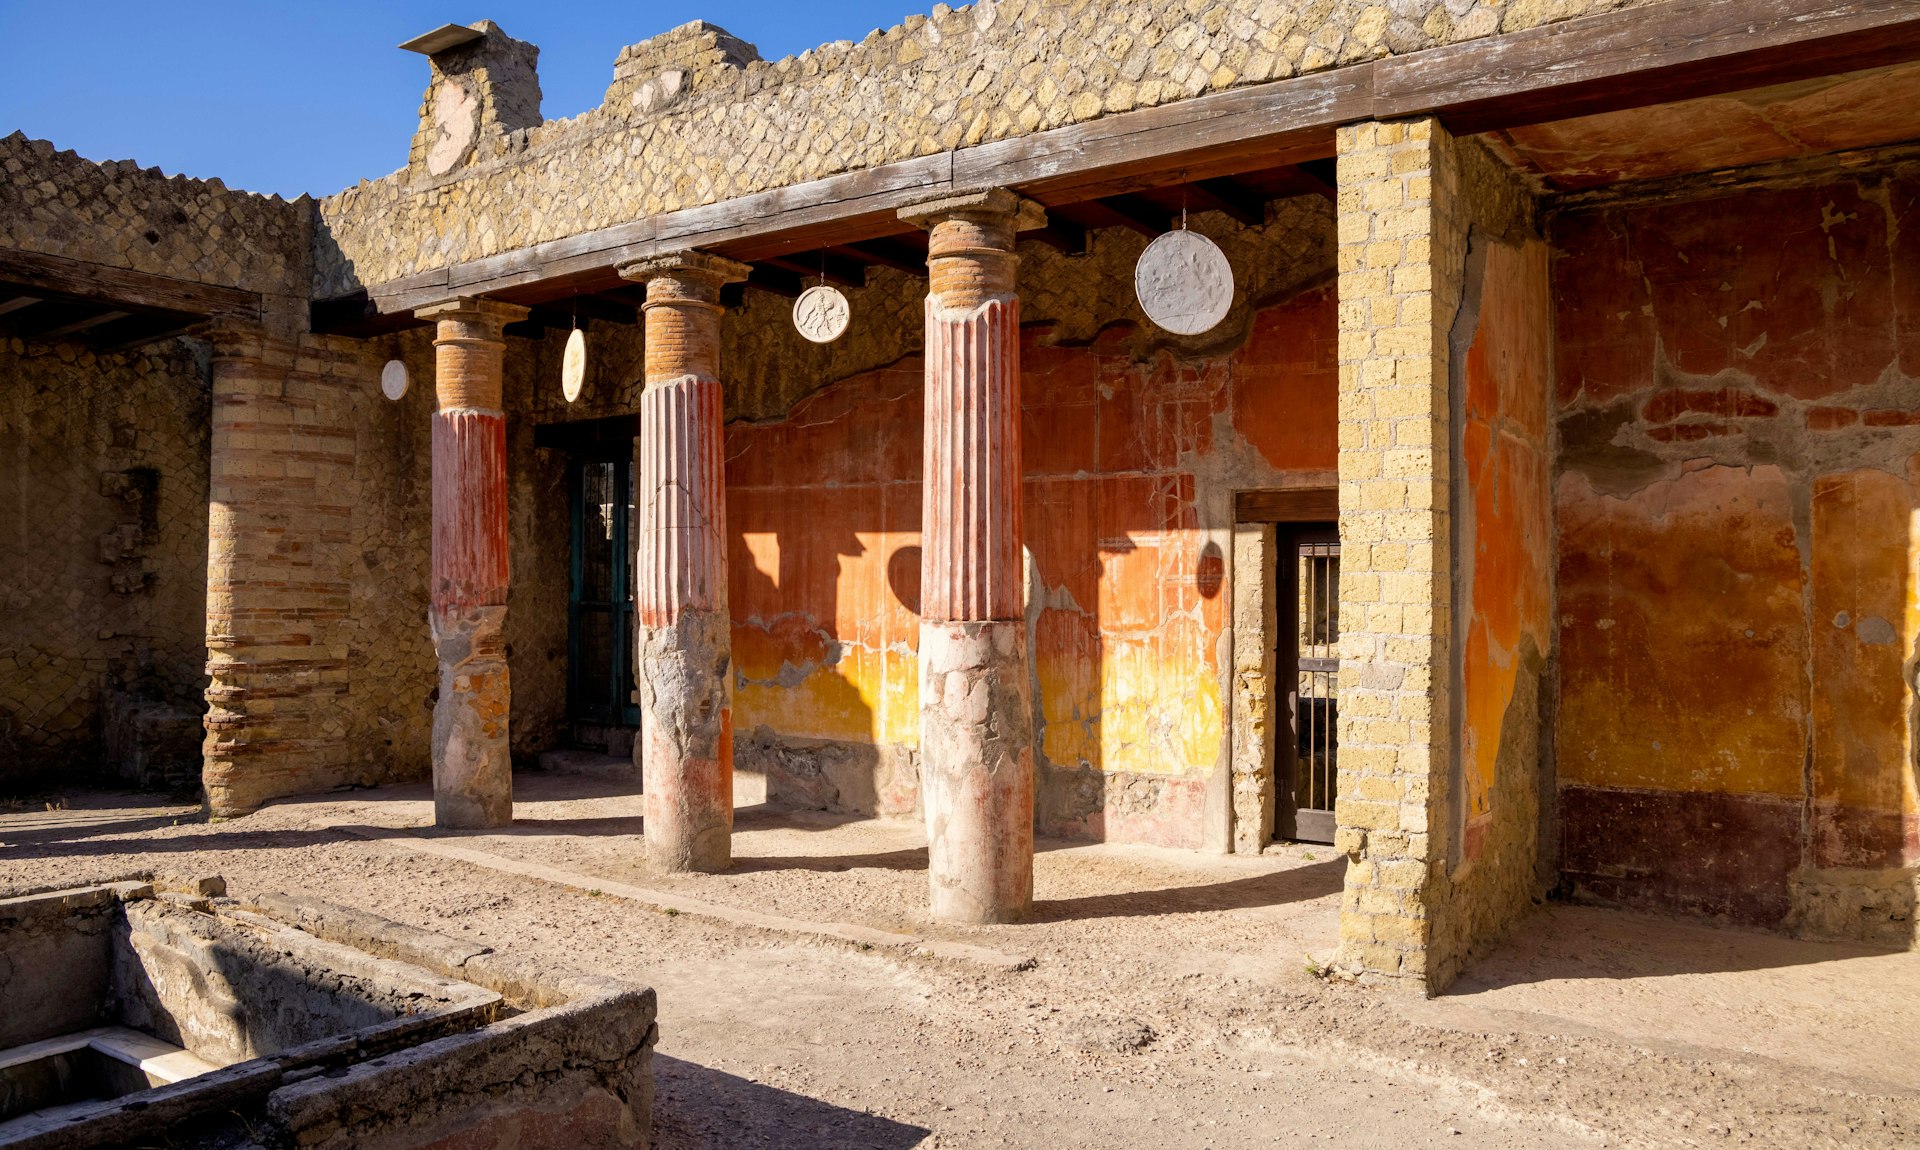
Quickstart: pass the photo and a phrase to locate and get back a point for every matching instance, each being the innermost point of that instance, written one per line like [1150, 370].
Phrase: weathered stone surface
[1737, 569]
[976, 772]
[93, 448]
[692, 117]
[472, 765]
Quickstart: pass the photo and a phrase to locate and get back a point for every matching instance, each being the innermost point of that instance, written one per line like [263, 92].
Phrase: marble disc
[1184, 283]
[573, 366]
[393, 379]
[822, 313]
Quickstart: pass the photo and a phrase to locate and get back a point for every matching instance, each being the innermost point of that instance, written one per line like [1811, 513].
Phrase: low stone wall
[355, 1031]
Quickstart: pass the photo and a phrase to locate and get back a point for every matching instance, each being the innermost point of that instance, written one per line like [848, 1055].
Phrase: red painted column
[976, 723]
[472, 768]
[685, 664]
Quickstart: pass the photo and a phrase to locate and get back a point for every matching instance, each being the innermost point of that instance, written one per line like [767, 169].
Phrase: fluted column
[472, 766]
[976, 726]
[685, 663]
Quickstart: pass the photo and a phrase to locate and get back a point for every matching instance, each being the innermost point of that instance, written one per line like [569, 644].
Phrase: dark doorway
[1307, 664]
[600, 593]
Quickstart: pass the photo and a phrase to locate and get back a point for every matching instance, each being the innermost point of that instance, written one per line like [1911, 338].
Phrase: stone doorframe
[1257, 707]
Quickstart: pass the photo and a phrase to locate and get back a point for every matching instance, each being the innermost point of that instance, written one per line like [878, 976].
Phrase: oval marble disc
[394, 379]
[573, 366]
[1184, 282]
[821, 314]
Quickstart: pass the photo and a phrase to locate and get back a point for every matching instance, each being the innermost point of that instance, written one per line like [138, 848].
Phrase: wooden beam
[1672, 51]
[1235, 200]
[83, 323]
[1296, 505]
[18, 302]
[1143, 216]
[816, 265]
[887, 254]
[58, 275]
[1675, 50]
[1321, 175]
[1062, 235]
[138, 331]
[779, 281]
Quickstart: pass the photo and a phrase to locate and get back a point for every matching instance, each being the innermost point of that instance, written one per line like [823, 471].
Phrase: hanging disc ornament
[393, 379]
[821, 313]
[573, 366]
[1184, 283]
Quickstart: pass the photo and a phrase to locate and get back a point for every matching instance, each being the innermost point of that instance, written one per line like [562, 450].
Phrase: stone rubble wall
[692, 118]
[124, 216]
[103, 561]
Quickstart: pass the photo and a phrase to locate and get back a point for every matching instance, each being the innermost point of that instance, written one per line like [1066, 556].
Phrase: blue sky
[295, 97]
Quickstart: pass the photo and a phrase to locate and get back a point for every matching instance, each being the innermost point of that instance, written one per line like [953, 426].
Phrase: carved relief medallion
[1184, 283]
[456, 121]
[573, 366]
[393, 379]
[822, 313]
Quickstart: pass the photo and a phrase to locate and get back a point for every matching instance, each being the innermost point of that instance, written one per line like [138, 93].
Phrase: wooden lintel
[78, 279]
[1294, 505]
[1677, 50]
[1605, 62]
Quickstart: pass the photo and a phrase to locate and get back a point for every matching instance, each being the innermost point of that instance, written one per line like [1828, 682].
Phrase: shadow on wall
[696, 1106]
[1126, 463]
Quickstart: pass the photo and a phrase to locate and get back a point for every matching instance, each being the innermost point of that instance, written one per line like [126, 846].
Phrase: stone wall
[1737, 566]
[693, 117]
[1134, 444]
[1403, 240]
[123, 216]
[103, 549]
[1445, 582]
[323, 669]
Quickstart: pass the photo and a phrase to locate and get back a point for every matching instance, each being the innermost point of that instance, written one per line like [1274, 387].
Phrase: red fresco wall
[1506, 536]
[1130, 468]
[1737, 545]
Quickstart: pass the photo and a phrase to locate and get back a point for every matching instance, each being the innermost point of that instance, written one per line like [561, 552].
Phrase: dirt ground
[1161, 998]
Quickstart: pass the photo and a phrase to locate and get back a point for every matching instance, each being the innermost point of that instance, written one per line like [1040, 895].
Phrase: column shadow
[696, 1107]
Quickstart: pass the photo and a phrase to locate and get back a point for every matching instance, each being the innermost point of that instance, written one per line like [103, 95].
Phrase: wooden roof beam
[1229, 197]
[119, 287]
[817, 265]
[1139, 213]
[887, 254]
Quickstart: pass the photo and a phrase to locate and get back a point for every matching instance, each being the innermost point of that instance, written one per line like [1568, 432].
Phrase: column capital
[473, 310]
[1025, 214]
[685, 276]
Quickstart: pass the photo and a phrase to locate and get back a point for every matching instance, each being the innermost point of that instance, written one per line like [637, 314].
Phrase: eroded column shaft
[472, 763]
[976, 730]
[685, 643]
